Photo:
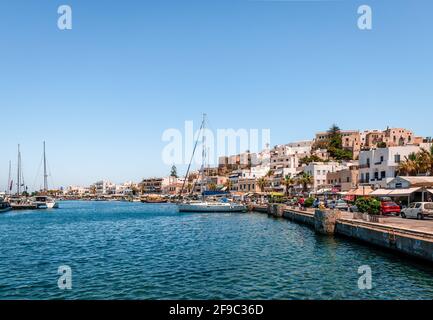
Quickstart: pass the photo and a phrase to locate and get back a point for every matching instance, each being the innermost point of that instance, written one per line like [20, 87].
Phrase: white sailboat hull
[211, 207]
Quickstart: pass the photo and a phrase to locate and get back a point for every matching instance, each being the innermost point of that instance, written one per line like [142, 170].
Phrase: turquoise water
[148, 251]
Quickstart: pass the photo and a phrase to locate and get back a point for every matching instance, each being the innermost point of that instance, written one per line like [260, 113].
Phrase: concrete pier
[390, 233]
[325, 220]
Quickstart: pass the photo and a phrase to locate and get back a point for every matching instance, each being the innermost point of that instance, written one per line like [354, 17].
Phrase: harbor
[124, 250]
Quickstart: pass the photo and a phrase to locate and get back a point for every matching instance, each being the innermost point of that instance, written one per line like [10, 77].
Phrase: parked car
[418, 210]
[389, 207]
[338, 204]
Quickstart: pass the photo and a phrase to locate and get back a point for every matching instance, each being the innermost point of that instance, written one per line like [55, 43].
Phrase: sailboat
[44, 201]
[203, 205]
[19, 201]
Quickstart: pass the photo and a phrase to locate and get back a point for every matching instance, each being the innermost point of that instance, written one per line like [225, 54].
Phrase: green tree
[308, 159]
[335, 145]
[262, 182]
[228, 184]
[212, 186]
[426, 160]
[173, 172]
[334, 137]
[304, 179]
[288, 183]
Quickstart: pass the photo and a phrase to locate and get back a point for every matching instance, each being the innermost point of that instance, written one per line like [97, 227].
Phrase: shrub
[308, 202]
[368, 205]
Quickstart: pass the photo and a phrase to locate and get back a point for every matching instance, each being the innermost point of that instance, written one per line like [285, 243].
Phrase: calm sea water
[146, 251]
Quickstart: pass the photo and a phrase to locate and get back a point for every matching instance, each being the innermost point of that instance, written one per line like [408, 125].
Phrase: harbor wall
[412, 243]
[418, 246]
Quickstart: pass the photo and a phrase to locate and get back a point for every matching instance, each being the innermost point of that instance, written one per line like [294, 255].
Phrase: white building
[285, 158]
[319, 171]
[104, 187]
[379, 166]
[254, 173]
[263, 159]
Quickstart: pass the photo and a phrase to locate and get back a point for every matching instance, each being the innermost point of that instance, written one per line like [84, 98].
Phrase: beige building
[151, 185]
[248, 185]
[391, 137]
[345, 179]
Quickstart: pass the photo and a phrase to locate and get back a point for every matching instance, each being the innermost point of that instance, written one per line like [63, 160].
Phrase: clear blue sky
[102, 93]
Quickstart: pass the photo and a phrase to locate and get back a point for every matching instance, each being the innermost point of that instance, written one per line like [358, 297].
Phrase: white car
[418, 210]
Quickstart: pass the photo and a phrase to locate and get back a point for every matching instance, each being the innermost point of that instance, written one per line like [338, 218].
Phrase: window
[381, 159]
[348, 179]
[397, 158]
[367, 177]
[382, 174]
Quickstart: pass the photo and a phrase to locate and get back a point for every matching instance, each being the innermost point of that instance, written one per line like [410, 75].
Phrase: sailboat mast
[203, 155]
[45, 172]
[9, 179]
[19, 172]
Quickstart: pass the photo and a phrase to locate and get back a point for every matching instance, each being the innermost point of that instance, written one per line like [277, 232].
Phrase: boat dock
[405, 236]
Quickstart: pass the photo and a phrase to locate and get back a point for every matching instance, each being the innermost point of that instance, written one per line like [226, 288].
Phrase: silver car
[338, 204]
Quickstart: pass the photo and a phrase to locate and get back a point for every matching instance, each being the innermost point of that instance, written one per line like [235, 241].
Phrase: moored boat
[44, 202]
[153, 199]
[4, 206]
[204, 205]
[21, 203]
[207, 206]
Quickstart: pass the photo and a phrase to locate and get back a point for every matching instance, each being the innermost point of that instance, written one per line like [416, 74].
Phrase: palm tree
[189, 187]
[228, 184]
[426, 160]
[212, 186]
[269, 173]
[287, 182]
[305, 179]
[410, 166]
[262, 182]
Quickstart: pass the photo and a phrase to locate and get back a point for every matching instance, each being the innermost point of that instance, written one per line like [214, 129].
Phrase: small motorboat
[210, 206]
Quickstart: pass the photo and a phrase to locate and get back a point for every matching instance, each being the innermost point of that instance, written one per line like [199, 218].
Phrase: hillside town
[343, 163]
